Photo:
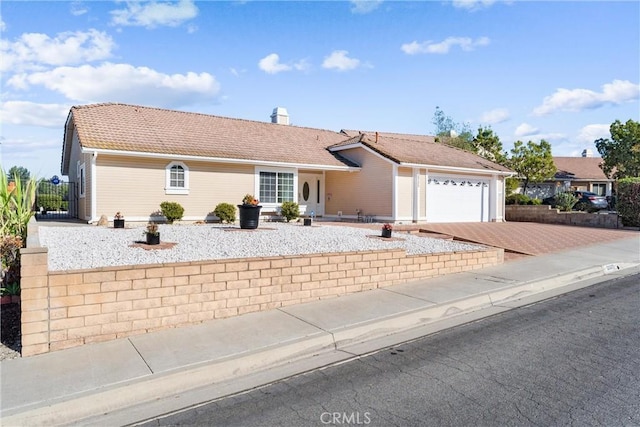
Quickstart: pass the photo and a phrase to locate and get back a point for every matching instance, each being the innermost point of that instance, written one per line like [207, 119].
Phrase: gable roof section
[420, 151]
[137, 129]
[579, 168]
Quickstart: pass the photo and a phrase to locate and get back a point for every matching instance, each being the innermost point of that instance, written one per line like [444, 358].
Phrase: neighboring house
[575, 174]
[131, 158]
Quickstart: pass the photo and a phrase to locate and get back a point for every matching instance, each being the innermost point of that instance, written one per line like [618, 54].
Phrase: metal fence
[56, 199]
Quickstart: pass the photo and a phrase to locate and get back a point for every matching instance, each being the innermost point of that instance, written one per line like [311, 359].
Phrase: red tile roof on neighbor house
[420, 151]
[138, 129]
[579, 168]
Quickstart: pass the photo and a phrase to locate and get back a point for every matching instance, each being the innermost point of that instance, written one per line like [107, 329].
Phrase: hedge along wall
[547, 215]
[71, 308]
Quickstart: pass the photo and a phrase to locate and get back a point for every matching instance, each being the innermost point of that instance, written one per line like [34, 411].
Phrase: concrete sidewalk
[128, 380]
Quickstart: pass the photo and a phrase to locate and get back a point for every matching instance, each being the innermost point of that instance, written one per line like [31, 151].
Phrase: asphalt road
[572, 360]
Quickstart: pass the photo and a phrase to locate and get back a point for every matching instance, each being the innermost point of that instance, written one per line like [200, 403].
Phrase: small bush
[10, 256]
[172, 211]
[517, 199]
[226, 212]
[565, 201]
[50, 202]
[628, 201]
[535, 202]
[290, 210]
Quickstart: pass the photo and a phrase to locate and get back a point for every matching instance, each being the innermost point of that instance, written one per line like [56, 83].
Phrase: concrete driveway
[518, 239]
[529, 238]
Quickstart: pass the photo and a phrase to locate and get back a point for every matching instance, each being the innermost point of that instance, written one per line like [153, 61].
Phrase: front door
[310, 194]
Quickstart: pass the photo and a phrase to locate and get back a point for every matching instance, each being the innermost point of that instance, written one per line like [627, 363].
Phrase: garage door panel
[457, 199]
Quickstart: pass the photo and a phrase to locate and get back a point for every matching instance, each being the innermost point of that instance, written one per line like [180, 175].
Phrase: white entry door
[310, 194]
[457, 199]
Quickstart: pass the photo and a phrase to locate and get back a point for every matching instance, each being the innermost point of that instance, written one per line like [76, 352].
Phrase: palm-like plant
[16, 202]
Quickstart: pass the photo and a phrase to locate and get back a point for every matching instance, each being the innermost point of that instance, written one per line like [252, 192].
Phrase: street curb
[314, 351]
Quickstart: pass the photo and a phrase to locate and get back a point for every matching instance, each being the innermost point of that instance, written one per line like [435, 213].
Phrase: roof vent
[587, 153]
[280, 116]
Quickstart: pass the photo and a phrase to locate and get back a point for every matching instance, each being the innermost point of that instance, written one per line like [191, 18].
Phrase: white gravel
[72, 248]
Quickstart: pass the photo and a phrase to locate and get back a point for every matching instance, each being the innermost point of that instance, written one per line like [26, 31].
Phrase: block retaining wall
[547, 215]
[63, 309]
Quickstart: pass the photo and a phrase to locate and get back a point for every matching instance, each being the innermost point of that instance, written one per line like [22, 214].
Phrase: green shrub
[226, 212]
[565, 201]
[10, 256]
[16, 201]
[50, 202]
[535, 202]
[628, 201]
[517, 199]
[290, 210]
[172, 211]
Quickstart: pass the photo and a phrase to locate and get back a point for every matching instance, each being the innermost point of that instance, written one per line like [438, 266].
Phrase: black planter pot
[118, 223]
[386, 233]
[153, 239]
[249, 216]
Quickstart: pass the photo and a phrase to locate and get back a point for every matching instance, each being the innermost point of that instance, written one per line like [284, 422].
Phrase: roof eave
[182, 157]
[458, 169]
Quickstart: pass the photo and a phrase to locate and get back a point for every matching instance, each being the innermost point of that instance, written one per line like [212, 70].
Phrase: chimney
[587, 153]
[280, 116]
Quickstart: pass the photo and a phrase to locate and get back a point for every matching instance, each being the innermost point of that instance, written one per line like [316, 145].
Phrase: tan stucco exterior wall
[405, 194]
[136, 186]
[370, 189]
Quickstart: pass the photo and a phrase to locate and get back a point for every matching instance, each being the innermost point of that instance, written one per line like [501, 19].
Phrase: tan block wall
[67, 309]
[546, 215]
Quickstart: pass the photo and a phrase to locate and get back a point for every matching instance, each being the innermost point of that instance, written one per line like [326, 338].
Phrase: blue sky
[560, 71]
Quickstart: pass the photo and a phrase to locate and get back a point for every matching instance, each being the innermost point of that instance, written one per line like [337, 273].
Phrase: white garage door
[457, 199]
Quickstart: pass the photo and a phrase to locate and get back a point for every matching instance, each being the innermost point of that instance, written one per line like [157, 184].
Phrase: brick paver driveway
[527, 237]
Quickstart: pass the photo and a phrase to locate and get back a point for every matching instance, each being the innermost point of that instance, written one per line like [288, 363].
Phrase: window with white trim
[177, 178]
[82, 180]
[599, 189]
[276, 187]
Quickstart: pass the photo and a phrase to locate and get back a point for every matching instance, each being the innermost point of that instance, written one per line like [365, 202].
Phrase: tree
[19, 171]
[533, 162]
[622, 152]
[452, 133]
[488, 145]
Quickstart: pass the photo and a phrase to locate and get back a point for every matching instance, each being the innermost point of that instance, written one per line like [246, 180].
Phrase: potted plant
[118, 220]
[386, 230]
[152, 233]
[249, 212]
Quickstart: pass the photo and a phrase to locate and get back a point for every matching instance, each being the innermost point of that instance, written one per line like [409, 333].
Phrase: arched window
[177, 178]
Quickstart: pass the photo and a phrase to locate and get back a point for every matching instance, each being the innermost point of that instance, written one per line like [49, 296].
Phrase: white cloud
[3, 26]
[339, 60]
[364, 6]
[271, 64]
[590, 133]
[124, 83]
[33, 50]
[472, 5]
[614, 93]
[526, 129]
[154, 14]
[32, 114]
[465, 43]
[495, 116]
[78, 8]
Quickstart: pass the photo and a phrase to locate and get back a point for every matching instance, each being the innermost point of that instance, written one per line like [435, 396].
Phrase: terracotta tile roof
[579, 168]
[423, 151]
[413, 137]
[123, 127]
[154, 130]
